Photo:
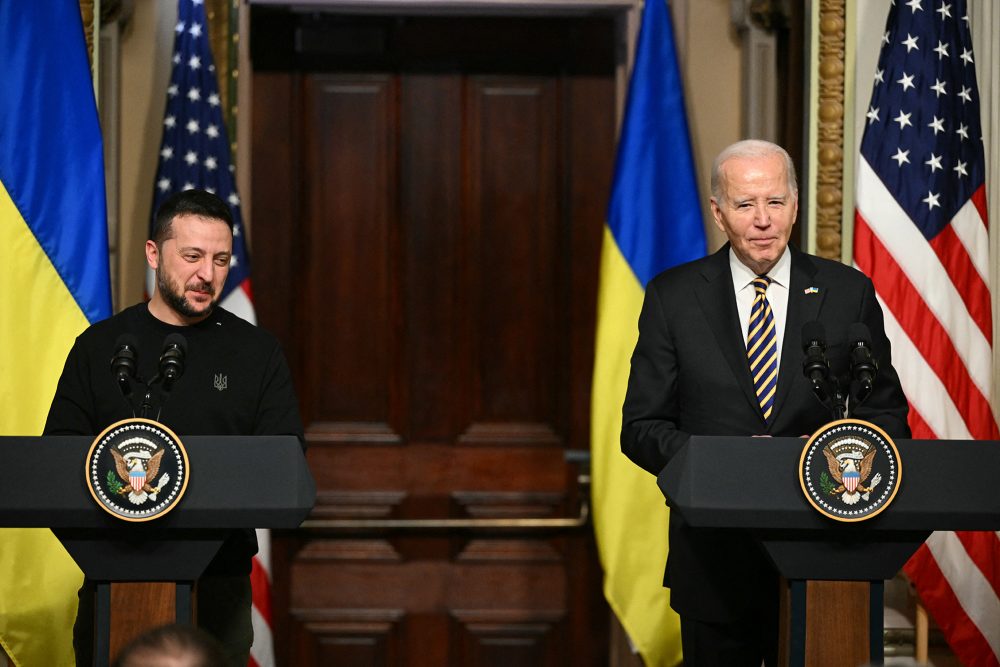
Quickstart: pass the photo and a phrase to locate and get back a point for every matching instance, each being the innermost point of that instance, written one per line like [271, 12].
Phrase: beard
[174, 297]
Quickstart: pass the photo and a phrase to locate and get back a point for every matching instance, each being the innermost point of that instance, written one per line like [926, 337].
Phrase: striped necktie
[762, 347]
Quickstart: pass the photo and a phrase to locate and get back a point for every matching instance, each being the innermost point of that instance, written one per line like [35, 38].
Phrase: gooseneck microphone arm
[147, 402]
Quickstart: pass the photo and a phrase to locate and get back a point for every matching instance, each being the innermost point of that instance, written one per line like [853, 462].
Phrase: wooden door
[428, 200]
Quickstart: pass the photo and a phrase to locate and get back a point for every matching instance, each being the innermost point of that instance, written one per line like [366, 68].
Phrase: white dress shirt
[777, 293]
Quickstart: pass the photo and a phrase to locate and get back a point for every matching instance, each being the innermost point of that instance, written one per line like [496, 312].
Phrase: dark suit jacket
[690, 375]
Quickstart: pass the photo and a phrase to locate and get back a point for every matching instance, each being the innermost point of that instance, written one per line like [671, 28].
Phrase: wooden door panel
[512, 224]
[349, 288]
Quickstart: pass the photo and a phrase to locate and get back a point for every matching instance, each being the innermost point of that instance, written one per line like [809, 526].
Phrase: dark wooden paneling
[362, 637]
[512, 221]
[154, 605]
[275, 234]
[429, 248]
[828, 603]
[430, 208]
[497, 637]
[350, 258]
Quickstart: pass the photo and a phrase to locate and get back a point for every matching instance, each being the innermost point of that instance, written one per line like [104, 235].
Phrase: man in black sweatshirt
[236, 382]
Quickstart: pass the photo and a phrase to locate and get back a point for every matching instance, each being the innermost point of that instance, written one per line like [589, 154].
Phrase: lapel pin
[811, 290]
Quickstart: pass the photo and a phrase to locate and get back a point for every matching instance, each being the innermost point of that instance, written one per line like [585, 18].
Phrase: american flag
[194, 153]
[921, 233]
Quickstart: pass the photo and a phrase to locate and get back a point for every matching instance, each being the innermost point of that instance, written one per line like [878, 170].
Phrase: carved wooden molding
[357, 504]
[87, 13]
[830, 129]
[372, 633]
[223, 35]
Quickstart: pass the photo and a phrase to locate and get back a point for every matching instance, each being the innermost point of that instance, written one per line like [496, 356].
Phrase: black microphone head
[859, 333]
[813, 333]
[177, 340]
[172, 358]
[126, 355]
[124, 362]
[126, 341]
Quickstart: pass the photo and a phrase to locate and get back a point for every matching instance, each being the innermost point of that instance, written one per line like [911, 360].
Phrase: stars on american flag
[195, 148]
[922, 125]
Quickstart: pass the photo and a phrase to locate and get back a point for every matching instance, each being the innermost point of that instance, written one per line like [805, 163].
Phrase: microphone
[864, 368]
[815, 366]
[172, 359]
[124, 362]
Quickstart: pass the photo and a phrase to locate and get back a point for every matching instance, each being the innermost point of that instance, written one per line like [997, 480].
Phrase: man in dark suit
[703, 327]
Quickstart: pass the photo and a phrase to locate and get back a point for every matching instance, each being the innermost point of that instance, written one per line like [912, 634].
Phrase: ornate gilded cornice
[87, 13]
[223, 34]
[830, 129]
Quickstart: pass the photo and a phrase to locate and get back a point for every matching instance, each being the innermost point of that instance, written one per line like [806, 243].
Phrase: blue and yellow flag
[53, 282]
[654, 222]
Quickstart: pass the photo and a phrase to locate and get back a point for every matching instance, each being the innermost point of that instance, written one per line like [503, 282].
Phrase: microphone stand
[147, 404]
[839, 401]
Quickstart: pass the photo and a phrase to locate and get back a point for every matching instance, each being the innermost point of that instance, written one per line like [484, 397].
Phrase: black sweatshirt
[236, 382]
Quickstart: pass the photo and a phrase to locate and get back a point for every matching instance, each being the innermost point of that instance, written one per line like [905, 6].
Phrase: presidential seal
[137, 470]
[850, 470]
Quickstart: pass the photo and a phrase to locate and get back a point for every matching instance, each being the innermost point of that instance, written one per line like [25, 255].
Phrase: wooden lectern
[234, 483]
[832, 608]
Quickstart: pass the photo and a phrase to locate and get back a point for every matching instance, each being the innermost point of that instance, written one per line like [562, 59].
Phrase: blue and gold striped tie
[762, 347]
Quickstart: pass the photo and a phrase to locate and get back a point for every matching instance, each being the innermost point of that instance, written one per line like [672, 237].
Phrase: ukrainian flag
[53, 282]
[654, 222]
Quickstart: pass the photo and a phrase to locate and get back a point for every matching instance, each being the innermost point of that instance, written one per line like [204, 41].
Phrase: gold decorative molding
[768, 15]
[830, 129]
[110, 11]
[87, 13]
[223, 35]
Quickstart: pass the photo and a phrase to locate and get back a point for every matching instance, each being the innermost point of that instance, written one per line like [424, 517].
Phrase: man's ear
[152, 255]
[717, 214]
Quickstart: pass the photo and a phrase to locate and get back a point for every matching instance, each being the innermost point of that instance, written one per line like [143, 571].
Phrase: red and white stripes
[262, 652]
[936, 300]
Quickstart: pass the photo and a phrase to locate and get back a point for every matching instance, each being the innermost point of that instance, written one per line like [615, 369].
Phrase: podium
[832, 610]
[234, 483]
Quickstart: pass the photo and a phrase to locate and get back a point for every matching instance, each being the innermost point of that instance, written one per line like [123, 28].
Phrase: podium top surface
[752, 483]
[234, 482]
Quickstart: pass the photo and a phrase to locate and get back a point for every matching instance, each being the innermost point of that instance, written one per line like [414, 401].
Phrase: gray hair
[751, 148]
